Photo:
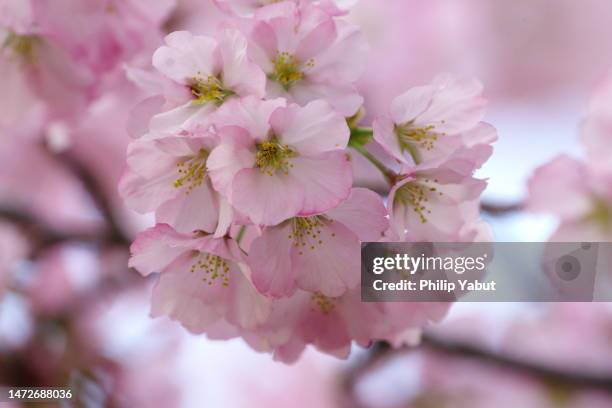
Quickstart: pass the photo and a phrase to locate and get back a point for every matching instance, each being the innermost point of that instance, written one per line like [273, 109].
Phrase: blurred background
[71, 312]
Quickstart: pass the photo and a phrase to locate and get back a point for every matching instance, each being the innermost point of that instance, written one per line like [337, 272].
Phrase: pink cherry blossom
[596, 132]
[100, 34]
[435, 202]
[430, 122]
[201, 279]
[169, 176]
[17, 16]
[579, 194]
[200, 74]
[277, 161]
[320, 253]
[332, 324]
[308, 55]
[247, 8]
[40, 70]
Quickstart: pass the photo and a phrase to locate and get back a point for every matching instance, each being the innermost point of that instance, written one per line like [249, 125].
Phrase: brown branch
[382, 352]
[494, 209]
[95, 190]
[41, 236]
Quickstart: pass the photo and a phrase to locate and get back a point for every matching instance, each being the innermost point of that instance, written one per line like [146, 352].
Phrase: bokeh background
[72, 312]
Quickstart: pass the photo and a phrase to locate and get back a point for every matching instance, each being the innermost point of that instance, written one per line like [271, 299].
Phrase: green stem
[390, 176]
[360, 136]
[240, 234]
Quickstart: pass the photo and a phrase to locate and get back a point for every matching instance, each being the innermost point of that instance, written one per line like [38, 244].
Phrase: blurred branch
[547, 374]
[494, 209]
[95, 190]
[381, 352]
[40, 235]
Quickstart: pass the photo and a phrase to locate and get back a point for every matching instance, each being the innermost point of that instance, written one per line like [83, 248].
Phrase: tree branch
[381, 352]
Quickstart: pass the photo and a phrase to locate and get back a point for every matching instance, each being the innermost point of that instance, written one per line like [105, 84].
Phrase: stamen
[192, 171]
[423, 137]
[214, 269]
[416, 194]
[601, 214]
[209, 90]
[288, 70]
[23, 46]
[273, 156]
[307, 232]
[326, 304]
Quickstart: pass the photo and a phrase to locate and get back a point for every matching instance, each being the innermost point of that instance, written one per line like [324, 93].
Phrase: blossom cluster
[579, 191]
[244, 152]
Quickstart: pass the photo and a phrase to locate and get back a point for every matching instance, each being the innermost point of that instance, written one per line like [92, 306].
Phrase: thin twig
[381, 352]
[497, 210]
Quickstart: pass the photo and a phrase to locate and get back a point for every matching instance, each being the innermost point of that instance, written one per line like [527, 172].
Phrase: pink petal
[239, 73]
[312, 129]
[345, 60]
[344, 98]
[384, 133]
[412, 103]
[198, 210]
[225, 161]
[182, 296]
[265, 199]
[141, 114]
[457, 105]
[157, 247]
[329, 263]
[317, 40]
[363, 213]
[325, 180]
[250, 113]
[558, 187]
[186, 56]
[270, 262]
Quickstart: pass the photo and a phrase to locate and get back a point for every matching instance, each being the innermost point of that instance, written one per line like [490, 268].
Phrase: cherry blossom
[430, 122]
[307, 55]
[320, 253]
[435, 202]
[201, 280]
[277, 161]
[579, 196]
[201, 73]
[247, 8]
[169, 176]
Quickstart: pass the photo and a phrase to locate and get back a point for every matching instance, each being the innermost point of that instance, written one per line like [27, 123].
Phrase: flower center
[601, 214]
[192, 171]
[326, 304]
[412, 138]
[21, 45]
[214, 268]
[273, 156]
[288, 70]
[210, 89]
[306, 232]
[416, 196]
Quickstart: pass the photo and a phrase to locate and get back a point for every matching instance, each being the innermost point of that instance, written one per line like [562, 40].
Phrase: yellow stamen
[192, 171]
[214, 268]
[416, 194]
[325, 304]
[307, 232]
[273, 156]
[288, 70]
[210, 89]
[23, 46]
